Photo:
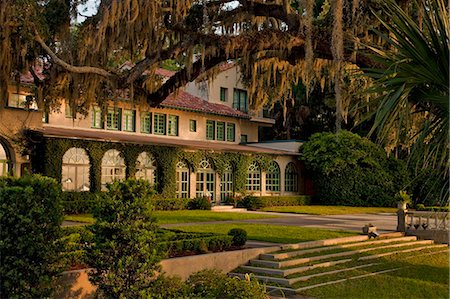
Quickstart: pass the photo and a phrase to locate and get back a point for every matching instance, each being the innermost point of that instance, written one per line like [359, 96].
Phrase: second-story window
[172, 129]
[240, 101]
[231, 132]
[146, 122]
[129, 120]
[223, 94]
[210, 130]
[159, 124]
[97, 118]
[23, 101]
[113, 119]
[244, 139]
[221, 131]
[192, 125]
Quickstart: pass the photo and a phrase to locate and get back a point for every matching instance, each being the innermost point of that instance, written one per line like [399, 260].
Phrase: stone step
[336, 241]
[290, 254]
[294, 262]
[265, 279]
[370, 257]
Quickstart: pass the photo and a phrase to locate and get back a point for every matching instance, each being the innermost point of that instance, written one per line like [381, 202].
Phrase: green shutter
[221, 131]
[210, 130]
[230, 132]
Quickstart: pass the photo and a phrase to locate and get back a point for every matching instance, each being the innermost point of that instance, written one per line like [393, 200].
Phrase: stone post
[401, 218]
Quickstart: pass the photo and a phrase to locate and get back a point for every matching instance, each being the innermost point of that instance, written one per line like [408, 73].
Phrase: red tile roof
[164, 72]
[104, 135]
[186, 101]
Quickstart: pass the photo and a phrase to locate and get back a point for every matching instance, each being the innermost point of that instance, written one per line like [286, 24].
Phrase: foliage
[213, 284]
[199, 203]
[124, 255]
[258, 202]
[412, 114]
[30, 220]
[329, 210]
[403, 197]
[270, 233]
[169, 204]
[251, 202]
[75, 240]
[78, 202]
[421, 207]
[46, 156]
[194, 244]
[239, 236]
[165, 287]
[350, 170]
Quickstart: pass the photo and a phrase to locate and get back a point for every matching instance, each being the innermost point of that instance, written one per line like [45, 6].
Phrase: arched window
[146, 167]
[253, 177]
[3, 161]
[291, 178]
[182, 180]
[226, 184]
[75, 170]
[113, 167]
[273, 177]
[205, 180]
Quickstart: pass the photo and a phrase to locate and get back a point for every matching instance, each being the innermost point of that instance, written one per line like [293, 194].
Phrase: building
[202, 141]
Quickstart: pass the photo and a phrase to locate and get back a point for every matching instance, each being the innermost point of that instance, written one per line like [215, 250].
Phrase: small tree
[123, 254]
[30, 219]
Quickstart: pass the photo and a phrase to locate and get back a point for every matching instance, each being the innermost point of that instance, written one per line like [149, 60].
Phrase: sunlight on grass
[271, 233]
[329, 210]
[183, 216]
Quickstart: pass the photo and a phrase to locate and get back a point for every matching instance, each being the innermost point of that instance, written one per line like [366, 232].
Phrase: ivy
[47, 152]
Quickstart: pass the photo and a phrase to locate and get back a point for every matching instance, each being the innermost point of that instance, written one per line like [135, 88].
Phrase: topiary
[239, 236]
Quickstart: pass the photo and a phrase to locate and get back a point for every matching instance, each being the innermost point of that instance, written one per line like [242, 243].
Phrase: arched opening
[75, 170]
[291, 178]
[182, 180]
[273, 177]
[205, 184]
[226, 184]
[253, 177]
[4, 160]
[113, 167]
[146, 167]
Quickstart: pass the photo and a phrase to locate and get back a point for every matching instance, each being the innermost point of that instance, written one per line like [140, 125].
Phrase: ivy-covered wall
[46, 155]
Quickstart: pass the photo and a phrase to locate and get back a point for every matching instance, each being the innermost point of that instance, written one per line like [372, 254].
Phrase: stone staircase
[302, 266]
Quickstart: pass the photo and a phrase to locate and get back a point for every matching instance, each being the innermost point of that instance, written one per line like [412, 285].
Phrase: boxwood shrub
[169, 204]
[78, 202]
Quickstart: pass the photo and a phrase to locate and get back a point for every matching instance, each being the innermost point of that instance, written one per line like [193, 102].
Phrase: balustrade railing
[427, 220]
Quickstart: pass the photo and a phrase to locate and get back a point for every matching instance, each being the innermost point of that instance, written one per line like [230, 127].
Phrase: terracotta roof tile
[184, 100]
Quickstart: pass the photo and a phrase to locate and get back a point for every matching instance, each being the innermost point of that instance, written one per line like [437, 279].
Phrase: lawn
[329, 210]
[183, 216]
[270, 233]
[424, 276]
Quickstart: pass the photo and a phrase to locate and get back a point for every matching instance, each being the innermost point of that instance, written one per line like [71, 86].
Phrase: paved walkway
[384, 222]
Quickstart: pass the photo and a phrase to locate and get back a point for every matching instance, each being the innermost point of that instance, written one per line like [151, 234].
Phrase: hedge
[169, 204]
[421, 207]
[78, 202]
[258, 202]
[197, 245]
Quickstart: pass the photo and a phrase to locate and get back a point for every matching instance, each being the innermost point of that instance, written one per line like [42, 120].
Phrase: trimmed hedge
[258, 202]
[239, 236]
[200, 244]
[170, 204]
[199, 203]
[78, 202]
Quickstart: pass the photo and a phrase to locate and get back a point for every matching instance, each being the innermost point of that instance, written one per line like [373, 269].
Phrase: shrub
[350, 170]
[165, 287]
[30, 219]
[251, 203]
[75, 240]
[239, 236]
[78, 202]
[170, 204]
[214, 284]
[195, 243]
[123, 254]
[199, 203]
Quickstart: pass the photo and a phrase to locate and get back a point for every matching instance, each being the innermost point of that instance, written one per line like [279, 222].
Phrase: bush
[30, 219]
[239, 236]
[350, 170]
[165, 287]
[199, 203]
[78, 202]
[124, 254]
[195, 244]
[214, 284]
[421, 207]
[251, 202]
[75, 240]
[170, 204]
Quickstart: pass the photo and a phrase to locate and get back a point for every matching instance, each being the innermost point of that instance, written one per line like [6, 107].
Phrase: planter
[368, 229]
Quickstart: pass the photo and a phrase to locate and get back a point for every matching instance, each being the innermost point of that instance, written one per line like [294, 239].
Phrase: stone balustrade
[425, 224]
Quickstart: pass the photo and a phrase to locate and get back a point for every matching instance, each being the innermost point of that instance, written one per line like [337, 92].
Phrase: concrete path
[384, 222]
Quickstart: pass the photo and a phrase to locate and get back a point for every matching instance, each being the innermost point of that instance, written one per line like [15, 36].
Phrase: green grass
[424, 276]
[184, 216]
[329, 210]
[271, 233]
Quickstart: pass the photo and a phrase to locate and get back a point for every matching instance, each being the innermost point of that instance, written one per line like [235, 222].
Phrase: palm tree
[413, 85]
